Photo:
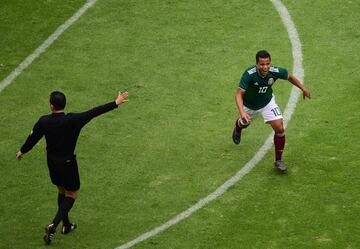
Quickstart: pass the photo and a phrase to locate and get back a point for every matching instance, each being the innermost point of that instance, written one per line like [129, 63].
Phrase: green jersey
[258, 89]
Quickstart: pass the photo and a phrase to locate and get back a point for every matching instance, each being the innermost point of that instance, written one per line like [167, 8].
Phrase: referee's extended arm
[79, 120]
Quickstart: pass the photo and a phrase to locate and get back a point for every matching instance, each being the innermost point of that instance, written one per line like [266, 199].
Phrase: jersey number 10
[276, 111]
[263, 89]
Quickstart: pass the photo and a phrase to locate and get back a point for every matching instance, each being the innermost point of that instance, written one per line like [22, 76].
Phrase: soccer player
[255, 96]
[61, 132]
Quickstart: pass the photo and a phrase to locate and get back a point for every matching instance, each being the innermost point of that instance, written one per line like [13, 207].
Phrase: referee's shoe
[65, 229]
[49, 233]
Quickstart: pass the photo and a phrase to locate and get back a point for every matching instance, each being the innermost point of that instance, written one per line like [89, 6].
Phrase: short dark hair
[58, 100]
[262, 54]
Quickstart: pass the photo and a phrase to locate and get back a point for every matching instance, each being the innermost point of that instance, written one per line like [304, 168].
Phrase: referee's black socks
[61, 198]
[63, 210]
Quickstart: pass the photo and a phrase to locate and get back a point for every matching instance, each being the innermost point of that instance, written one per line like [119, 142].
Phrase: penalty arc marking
[290, 107]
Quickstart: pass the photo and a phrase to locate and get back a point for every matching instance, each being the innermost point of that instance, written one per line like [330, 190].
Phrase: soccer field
[170, 145]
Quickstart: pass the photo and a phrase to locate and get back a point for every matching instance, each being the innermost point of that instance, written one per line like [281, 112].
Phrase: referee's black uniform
[61, 132]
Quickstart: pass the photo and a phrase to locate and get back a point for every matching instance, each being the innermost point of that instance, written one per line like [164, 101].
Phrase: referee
[61, 132]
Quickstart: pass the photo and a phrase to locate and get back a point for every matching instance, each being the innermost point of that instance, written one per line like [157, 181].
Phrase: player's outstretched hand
[19, 155]
[306, 94]
[121, 98]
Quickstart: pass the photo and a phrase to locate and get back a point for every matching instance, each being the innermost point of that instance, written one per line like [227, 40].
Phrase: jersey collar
[257, 71]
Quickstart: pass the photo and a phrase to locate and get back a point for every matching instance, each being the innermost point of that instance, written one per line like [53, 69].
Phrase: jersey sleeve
[283, 73]
[82, 118]
[36, 134]
[244, 81]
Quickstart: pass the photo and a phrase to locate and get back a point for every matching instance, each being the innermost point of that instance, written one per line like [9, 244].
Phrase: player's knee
[279, 129]
[280, 132]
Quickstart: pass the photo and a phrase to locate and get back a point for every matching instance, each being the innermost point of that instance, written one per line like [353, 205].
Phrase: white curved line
[42, 48]
[290, 107]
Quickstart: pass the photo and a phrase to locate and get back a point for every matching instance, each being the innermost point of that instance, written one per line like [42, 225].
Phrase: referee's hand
[19, 155]
[121, 98]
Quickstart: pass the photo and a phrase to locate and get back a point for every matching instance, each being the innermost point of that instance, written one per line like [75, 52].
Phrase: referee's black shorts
[64, 172]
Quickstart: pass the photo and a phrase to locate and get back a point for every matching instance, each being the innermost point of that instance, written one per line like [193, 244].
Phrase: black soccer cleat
[280, 165]
[236, 136]
[49, 233]
[68, 228]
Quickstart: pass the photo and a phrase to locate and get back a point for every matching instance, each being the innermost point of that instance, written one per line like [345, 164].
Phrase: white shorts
[269, 113]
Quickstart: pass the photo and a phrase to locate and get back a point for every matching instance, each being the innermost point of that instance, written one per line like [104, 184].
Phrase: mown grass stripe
[42, 48]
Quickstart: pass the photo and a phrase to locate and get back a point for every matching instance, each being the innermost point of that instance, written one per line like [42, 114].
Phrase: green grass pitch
[170, 145]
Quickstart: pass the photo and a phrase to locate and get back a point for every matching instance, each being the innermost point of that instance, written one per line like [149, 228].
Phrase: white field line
[290, 107]
[42, 48]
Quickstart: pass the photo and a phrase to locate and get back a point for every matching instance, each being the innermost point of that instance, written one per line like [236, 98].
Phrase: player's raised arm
[296, 82]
